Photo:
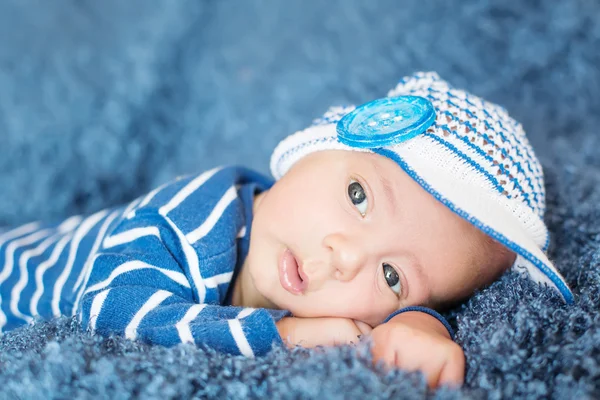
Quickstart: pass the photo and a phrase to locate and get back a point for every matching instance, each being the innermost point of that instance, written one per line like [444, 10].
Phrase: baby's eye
[358, 197]
[392, 278]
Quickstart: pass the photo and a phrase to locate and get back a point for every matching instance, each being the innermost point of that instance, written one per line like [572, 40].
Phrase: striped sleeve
[141, 286]
[161, 317]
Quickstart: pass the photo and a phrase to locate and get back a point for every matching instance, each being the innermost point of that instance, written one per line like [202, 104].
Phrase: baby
[379, 215]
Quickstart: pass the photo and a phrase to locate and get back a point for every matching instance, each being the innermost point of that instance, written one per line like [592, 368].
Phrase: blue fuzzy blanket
[102, 101]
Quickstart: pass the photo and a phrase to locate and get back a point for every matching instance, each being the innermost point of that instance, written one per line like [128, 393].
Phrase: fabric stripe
[70, 224]
[240, 339]
[192, 261]
[10, 260]
[151, 304]
[245, 312]
[134, 266]
[217, 280]
[12, 248]
[84, 274]
[41, 269]
[20, 231]
[80, 233]
[187, 190]
[81, 290]
[197, 234]
[183, 326]
[130, 236]
[95, 246]
[147, 199]
[15, 294]
[130, 208]
[241, 233]
[96, 308]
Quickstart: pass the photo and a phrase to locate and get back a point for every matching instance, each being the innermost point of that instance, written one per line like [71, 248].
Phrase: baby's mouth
[291, 276]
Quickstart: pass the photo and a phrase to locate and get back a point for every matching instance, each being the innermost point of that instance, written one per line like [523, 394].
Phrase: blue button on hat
[385, 122]
[466, 152]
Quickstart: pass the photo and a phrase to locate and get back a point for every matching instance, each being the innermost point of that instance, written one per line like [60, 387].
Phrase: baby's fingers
[363, 327]
[453, 370]
[410, 360]
[441, 365]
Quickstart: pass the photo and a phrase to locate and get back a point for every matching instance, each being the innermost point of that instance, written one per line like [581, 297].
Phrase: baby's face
[350, 234]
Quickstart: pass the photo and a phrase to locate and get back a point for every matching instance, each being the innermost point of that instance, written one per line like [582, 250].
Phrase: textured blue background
[101, 101]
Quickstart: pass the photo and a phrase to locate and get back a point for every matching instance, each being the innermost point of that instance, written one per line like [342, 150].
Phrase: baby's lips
[303, 276]
[289, 273]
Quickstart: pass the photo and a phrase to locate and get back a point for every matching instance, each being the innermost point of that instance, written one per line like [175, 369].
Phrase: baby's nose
[347, 258]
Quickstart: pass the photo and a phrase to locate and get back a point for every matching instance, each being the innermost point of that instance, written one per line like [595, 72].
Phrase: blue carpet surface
[102, 101]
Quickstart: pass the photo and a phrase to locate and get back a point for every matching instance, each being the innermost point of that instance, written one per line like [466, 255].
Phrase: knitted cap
[466, 152]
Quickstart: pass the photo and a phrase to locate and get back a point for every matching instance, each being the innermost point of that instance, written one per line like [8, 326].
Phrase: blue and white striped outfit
[159, 269]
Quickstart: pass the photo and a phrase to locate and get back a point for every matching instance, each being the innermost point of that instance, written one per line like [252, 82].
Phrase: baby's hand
[417, 341]
[312, 332]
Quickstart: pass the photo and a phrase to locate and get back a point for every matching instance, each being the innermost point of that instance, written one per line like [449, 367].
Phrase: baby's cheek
[370, 309]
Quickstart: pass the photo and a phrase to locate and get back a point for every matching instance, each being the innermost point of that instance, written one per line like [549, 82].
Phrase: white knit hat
[468, 153]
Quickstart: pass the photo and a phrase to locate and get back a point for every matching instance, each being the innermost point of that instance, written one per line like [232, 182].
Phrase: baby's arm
[145, 284]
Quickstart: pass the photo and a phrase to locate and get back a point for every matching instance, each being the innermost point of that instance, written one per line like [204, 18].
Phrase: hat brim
[486, 213]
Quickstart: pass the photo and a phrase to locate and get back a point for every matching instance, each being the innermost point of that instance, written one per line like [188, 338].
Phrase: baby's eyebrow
[389, 193]
[388, 189]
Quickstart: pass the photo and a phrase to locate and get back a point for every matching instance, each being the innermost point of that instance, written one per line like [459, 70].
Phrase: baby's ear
[419, 81]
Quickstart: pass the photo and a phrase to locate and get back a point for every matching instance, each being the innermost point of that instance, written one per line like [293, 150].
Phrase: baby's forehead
[370, 161]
